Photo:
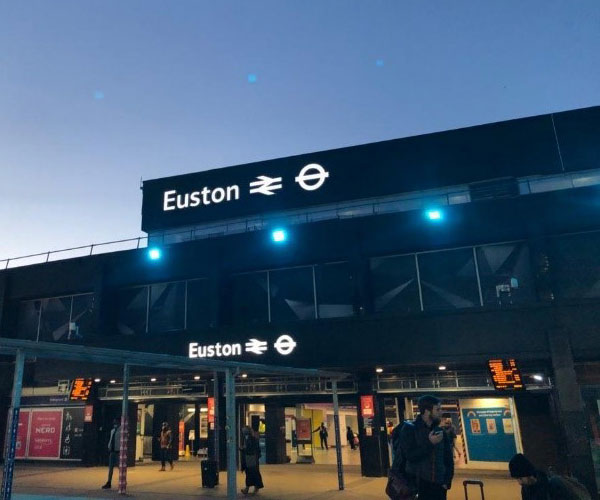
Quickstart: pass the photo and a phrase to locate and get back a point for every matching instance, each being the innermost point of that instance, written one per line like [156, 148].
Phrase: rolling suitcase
[210, 474]
[476, 483]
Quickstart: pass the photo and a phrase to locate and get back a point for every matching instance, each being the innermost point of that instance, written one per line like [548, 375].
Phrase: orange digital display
[505, 374]
[80, 390]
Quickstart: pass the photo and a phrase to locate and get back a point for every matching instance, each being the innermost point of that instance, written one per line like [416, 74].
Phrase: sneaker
[106, 486]
[172, 466]
[161, 469]
[245, 491]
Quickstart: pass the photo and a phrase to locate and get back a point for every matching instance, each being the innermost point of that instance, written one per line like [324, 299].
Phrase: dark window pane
[395, 285]
[335, 290]
[132, 305]
[292, 294]
[505, 274]
[575, 263]
[54, 323]
[249, 297]
[167, 306]
[27, 324]
[448, 279]
[83, 314]
[201, 310]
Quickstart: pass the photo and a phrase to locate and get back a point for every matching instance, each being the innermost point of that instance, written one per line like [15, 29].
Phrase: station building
[420, 265]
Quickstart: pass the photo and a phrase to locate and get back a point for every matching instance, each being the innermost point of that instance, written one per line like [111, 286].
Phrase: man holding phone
[427, 451]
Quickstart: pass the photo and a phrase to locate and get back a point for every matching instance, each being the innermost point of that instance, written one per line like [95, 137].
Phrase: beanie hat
[519, 466]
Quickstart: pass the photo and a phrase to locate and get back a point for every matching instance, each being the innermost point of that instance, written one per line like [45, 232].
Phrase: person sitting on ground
[535, 484]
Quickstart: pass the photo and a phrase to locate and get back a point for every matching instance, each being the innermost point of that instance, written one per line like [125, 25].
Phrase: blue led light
[252, 78]
[279, 235]
[154, 254]
[434, 215]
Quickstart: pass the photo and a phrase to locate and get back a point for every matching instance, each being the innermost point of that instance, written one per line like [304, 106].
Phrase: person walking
[166, 438]
[250, 460]
[428, 451]
[114, 447]
[450, 430]
[323, 434]
[350, 437]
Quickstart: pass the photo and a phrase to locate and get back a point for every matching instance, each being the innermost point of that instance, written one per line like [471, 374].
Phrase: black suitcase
[476, 483]
[210, 474]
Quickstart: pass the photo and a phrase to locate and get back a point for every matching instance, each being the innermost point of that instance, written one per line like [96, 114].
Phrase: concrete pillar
[338, 440]
[571, 413]
[217, 437]
[124, 433]
[374, 455]
[232, 447]
[275, 433]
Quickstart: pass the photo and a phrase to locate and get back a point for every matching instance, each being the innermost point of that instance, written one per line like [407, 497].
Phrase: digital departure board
[80, 390]
[505, 375]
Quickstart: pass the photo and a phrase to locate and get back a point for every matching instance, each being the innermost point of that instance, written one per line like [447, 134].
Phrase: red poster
[88, 415]
[21, 447]
[44, 434]
[367, 407]
[181, 436]
[303, 430]
[211, 410]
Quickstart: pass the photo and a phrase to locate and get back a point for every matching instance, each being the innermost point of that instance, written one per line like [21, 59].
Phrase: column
[374, 456]
[571, 412]
[275, 433]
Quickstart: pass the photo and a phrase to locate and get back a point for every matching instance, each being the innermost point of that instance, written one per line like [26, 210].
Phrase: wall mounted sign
[505, 374]
[80, 390]
[211, 410]
[365, 171]
[283, 345]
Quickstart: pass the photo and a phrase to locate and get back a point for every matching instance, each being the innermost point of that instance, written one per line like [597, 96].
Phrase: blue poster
[490, 434]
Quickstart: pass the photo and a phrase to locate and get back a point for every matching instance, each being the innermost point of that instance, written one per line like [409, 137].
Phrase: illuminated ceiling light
[279, 235]
[441, 367]
[197, 377]
[154, 254]
[97, 380]
[203, 410]
[113, 381]
[434, 215]
[153, 379]
[379, 370]
[191, 410]
[538, 377]
[244, 375]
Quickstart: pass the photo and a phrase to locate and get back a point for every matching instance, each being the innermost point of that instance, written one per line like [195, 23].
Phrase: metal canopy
[133, 358]
[21, 349]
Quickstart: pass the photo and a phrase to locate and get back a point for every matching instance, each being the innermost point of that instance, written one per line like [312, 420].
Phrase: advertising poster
[303, 430]
[71, 446]
[88, 415]
[22, 433]
[211, 410]
[489, 433]
[367, 407]
[45, 432]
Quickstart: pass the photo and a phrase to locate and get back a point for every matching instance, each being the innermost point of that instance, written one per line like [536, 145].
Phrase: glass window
[395, 285]
[505, 274]
[448, 279]
[201, 309]
[28, 319]
[292, 294]
[131, 309]
[335, 290]
[83, 314]
[575, 264]
[250, 300]
[167, 307]
[54, 323]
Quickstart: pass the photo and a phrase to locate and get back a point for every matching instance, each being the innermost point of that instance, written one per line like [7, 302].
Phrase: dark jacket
[545, 489]
[424, 460]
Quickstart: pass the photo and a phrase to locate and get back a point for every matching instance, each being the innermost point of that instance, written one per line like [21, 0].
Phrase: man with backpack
[427, 451]
[537, 485]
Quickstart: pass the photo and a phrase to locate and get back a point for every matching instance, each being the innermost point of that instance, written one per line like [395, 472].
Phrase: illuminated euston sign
[505, 374]
[284, 345]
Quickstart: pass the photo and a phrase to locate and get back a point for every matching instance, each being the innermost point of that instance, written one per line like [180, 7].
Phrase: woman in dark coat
[350, 437]
[250, 460]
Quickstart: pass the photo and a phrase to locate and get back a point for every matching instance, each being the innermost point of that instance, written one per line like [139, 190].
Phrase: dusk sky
[95, 96]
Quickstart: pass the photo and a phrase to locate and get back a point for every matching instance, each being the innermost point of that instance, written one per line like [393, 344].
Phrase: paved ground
[291, 481]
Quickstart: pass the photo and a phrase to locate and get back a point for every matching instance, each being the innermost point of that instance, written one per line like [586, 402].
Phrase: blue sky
[96, 95]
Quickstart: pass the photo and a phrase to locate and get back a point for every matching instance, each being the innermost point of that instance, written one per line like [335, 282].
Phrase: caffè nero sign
[284, 345]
